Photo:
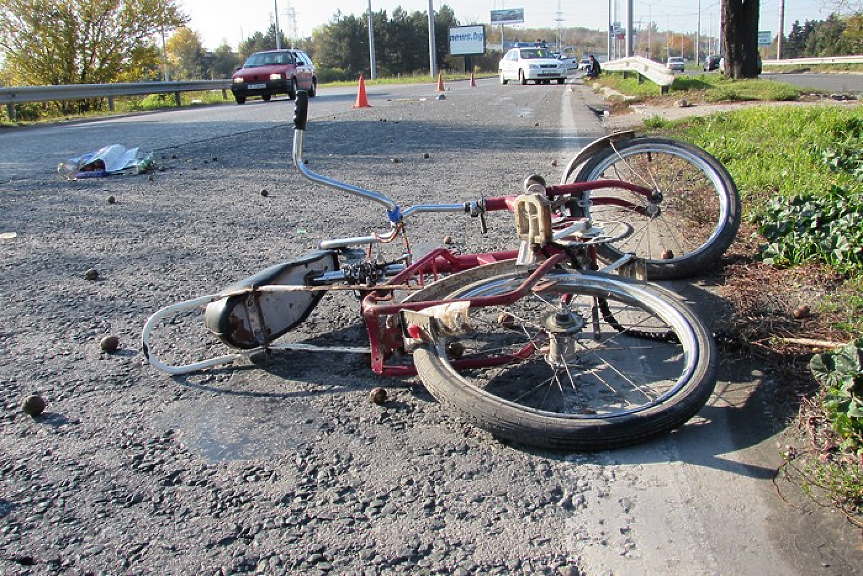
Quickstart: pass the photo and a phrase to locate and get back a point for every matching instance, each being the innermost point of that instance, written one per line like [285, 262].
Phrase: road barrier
[645, 68]
[813, 61]
[20, 94]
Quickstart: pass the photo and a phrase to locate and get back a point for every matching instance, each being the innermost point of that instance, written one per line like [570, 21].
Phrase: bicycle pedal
[532, 225]
[635, 268]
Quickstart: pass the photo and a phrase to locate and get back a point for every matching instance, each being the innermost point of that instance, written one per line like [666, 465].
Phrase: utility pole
[372, 43]
[698, 37]
[781, 29]
[278, 32]
[432, 48]
[629, 26]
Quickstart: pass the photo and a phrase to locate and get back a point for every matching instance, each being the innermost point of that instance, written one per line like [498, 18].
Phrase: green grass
[781, 155]
[774, 149]
[707, 87]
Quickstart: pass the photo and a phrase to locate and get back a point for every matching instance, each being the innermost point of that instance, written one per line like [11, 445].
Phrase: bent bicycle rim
[630, 362]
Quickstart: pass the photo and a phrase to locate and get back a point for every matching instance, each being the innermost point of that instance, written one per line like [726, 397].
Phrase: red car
[274, 72]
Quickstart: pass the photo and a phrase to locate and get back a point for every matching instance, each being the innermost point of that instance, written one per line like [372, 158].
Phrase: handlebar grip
[301, 110]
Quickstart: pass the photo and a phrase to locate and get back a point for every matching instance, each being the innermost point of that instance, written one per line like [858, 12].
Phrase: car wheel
[521, 79]
[313, 90]
[240, 99]
[292, 89]
[266, 97]
[503, 80]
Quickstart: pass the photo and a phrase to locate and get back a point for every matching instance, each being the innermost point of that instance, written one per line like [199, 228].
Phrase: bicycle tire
[699, 212]
[547, 414]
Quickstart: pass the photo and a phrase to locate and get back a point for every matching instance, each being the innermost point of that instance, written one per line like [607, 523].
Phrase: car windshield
[267, 59]
[531, 53]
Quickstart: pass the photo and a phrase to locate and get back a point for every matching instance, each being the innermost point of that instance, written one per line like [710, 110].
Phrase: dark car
[274, 72]
[712, 62]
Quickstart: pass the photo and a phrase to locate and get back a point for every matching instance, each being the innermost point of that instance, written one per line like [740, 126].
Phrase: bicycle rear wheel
[585, 361]
[693, 218]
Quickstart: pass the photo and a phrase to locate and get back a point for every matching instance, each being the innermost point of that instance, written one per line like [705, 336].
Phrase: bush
[328, 75]
[841, 372]
[808, 228]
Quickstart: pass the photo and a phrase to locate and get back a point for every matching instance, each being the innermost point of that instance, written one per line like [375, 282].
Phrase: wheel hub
[562, 326]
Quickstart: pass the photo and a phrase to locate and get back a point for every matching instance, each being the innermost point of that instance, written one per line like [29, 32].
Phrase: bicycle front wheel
[585, 361]
[690, 221]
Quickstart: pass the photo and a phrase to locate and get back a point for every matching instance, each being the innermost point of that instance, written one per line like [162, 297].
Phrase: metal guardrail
[804, 61]
[20, 94]
[653, 71]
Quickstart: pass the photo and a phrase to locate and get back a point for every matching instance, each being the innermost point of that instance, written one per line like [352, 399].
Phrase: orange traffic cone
[362, 101]
[440, 87]
[472, 82]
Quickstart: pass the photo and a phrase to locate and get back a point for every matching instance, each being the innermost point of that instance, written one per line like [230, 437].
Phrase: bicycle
[537, 345]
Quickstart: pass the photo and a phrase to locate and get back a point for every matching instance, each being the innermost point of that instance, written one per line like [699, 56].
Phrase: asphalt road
[283, 466]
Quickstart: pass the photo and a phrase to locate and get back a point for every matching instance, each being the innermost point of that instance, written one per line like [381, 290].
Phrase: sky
[228, 20]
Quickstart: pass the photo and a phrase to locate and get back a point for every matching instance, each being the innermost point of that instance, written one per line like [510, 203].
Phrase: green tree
[826, 38]
[795, 45]
[444, 19]
[404, 50]
[852, 38]
[343, 43]
[259, 41]
[223, 62]
[84, 41]
[185, 54]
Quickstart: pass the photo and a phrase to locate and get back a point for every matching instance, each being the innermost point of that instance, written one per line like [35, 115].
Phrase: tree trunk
[740, 38]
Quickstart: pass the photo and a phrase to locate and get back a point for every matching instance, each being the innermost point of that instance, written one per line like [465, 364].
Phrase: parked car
[712, 62]
[584, 64]
[675, 64]
[569, 62]
[273, 72]
[537, 64]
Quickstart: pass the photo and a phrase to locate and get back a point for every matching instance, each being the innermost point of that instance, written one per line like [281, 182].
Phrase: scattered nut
[425, 155]
[33, 405]
[394, 160]
[455, 350]
[554, 161]
[802, 312]
[667, 255]
[91, 274]
[265, 192]
[111, 199]
[448, 240]
[506, 320]
[109, 344]
[378, 395]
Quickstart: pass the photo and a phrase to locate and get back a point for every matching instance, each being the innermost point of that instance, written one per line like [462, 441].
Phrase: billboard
[466, 40]
[509, 16]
